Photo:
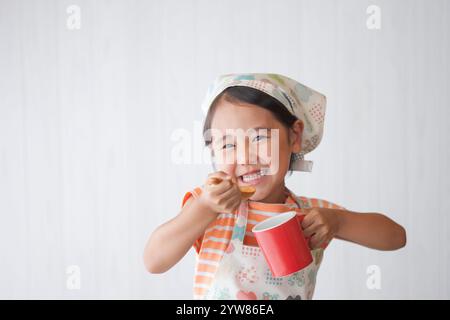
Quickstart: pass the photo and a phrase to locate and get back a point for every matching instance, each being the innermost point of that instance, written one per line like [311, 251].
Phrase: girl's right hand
[223, 196]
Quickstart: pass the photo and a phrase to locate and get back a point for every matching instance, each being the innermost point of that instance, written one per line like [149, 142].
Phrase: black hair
[243, 94]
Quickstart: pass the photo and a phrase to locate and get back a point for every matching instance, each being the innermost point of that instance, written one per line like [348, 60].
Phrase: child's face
[265, 143]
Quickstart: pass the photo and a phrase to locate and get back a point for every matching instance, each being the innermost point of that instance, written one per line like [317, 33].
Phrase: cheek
[279, 162]
[227, 168]
[279, 171]
[279, 167]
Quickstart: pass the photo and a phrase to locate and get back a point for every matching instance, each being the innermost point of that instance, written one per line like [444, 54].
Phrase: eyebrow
[254, 128]
[257, 128]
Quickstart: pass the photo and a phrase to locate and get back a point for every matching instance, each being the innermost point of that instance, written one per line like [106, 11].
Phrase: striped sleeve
[331, 205]
[320, 203]
[198, 243]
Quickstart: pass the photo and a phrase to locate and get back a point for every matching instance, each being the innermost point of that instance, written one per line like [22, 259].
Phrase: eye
[227, 146]
[259, 138]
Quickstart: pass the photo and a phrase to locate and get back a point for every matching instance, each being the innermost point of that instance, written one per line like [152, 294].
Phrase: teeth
[251, 177]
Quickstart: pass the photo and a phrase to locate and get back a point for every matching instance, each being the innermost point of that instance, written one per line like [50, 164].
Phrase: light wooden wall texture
[87, 118]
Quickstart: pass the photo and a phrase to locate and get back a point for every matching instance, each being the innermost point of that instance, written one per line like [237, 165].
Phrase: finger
[230, 193]
[229, 200]
[308, 220]
[217, 186]
[222, 187]
[315, 241]
[217, 177]
[310, 231]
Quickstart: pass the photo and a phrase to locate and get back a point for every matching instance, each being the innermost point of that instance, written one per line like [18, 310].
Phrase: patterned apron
[244, 274]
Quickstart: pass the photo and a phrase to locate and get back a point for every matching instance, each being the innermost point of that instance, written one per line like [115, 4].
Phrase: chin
[258, 196]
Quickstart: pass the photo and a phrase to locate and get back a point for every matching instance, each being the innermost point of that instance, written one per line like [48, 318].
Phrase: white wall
[86, 118]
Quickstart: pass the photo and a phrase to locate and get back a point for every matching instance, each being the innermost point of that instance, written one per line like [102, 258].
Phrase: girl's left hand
[321, 224]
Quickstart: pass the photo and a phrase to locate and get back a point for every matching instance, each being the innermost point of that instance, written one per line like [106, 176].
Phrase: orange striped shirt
[211, 246]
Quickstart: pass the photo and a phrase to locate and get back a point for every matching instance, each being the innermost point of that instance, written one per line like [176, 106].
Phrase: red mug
[283, 244]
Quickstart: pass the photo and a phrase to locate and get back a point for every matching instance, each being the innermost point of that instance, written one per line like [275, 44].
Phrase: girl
[285, 117]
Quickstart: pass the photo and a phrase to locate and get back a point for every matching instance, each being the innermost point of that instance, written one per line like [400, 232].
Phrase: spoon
[246, 191]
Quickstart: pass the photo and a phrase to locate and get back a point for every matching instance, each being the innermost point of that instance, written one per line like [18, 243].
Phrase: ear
[296, 134]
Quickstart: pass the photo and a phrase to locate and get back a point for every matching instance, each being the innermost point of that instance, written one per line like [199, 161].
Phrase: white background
[87, 116]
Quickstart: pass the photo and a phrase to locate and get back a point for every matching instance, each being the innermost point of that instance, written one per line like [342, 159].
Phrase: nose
[246, 153]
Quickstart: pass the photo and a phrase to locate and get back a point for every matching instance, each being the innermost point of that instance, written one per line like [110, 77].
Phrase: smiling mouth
[254, 177]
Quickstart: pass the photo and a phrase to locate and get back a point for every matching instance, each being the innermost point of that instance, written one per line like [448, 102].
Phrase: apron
[244, 274]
